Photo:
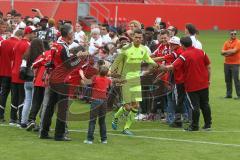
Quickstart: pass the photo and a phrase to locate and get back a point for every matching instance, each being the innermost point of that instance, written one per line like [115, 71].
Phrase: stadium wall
[205, 17]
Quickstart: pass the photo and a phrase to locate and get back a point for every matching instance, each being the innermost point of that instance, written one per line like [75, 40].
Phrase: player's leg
[125, 108]
[131, 118]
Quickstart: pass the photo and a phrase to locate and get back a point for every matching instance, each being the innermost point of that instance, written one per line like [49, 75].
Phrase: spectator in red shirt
[100, 84]
[162, 50]
[6, 57]
[17, 87]
[196, 66]
[41, 89]
[176, 51]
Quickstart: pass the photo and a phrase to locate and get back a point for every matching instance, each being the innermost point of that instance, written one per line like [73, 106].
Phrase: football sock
[130, 118]
[120, 112]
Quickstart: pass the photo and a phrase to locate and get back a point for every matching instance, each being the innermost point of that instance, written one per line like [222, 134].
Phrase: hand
[81, 73]
[80, 53]
[162, 68]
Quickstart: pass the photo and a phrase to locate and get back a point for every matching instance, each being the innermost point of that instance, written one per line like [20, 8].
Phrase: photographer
[63, 62]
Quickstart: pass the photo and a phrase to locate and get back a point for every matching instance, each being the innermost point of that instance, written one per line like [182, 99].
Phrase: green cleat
[127, 132]
[115, 124]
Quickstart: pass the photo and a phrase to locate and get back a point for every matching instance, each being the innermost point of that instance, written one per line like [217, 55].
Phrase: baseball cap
[29, 29]
[22, 25]
[175, 40]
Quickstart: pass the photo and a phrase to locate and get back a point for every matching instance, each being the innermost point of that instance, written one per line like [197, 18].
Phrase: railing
[101, 11]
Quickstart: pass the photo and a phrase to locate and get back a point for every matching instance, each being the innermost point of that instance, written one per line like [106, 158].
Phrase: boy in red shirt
[100, 84]
[196, 66]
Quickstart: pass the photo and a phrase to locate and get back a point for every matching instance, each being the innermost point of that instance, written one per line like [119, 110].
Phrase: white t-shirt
[79, 36]
[92, 49]
[196, 43]
[106, 39]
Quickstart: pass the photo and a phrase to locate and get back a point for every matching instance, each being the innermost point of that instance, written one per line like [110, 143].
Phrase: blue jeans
[171, 105]
[28, 87]
[98, 110]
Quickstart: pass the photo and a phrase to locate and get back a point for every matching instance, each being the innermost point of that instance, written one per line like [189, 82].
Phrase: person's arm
[208, 65]
[229, 52]
[39, 13]
[209, 73]
[84, 79]
[117, 65]
[158, 59]
[178, 63]
[38, 62]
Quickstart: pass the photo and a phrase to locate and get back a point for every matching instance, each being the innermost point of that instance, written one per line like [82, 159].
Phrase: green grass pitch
[152, 140]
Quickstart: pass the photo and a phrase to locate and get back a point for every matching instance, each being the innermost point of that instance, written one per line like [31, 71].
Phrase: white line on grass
[161, 138]
[180, 130]
[168, 139]
[167, 130]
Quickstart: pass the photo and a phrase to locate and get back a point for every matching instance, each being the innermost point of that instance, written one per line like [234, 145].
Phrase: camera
[49, 65]
[34, 10]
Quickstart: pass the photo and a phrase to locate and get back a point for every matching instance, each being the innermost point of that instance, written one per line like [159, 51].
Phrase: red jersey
[64, 63]
[6, 56]
[194, 62]
[39, 70]
[162, 50]
[170, 58]
[18, 51]
[74, 77]
[89, 71]
[100, 86]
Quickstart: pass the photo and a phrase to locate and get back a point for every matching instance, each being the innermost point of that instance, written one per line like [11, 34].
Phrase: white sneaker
[87, 142]
[140, 117]
[104, 142]
[12, 123]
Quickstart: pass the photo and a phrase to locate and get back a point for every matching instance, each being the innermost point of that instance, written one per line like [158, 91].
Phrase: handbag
[26, 73]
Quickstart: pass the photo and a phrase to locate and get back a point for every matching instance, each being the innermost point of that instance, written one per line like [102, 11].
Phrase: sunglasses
[233, 34]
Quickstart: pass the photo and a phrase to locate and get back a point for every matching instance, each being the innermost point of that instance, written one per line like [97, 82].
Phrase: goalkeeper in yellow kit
[128, 65]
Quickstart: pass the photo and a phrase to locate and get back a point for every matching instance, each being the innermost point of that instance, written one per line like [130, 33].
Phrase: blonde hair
[136, 23]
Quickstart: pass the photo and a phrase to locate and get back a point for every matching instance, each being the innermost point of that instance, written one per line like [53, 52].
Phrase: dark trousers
[17, 100]
[37, 100]
[179, 102]
[146, 102]
[98, 110]
[62, 102]
[159, 97]
[231, 71]
[5, 89]
[114, 97]
[200, 100]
